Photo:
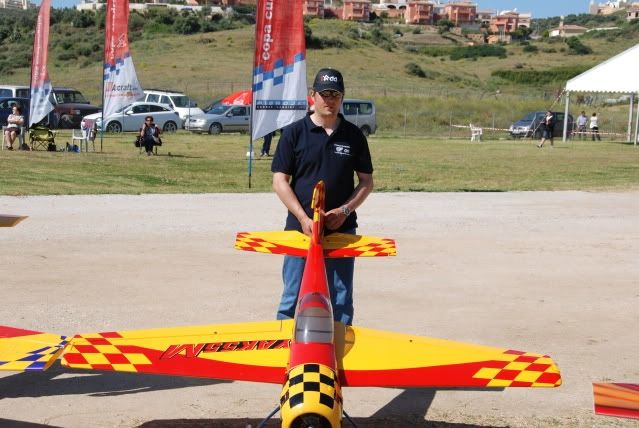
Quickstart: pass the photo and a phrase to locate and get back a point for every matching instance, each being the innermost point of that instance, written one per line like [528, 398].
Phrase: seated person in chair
[150, 134]
[14, 122]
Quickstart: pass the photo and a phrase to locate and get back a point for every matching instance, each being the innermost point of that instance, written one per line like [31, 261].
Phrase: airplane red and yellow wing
[249, 351]
[27, 350]
[369, 357]
[293, 243]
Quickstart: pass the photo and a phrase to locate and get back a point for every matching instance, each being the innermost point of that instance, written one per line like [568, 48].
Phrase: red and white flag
[279, 67]
[40, 84]
[121, 85]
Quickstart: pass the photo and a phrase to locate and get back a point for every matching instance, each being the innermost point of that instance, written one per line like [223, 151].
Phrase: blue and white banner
[121, 85]
[40, 84]
[279, 73]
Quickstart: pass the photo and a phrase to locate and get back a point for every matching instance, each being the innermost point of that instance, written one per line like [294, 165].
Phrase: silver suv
[361, 113]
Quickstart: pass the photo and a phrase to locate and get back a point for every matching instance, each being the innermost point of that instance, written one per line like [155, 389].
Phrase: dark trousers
[266, 147]
[148, 144]
[595, 132]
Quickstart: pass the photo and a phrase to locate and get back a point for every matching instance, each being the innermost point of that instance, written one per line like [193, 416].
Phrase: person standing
[322, 146]
[594, 127]
[549, 129]
[582, 121]
[150, 134]
[14, 122]
[266, 146]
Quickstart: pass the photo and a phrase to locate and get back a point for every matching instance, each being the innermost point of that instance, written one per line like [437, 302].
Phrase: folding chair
[20, 138]
[79, 135]
[475, 133]
[41, 136]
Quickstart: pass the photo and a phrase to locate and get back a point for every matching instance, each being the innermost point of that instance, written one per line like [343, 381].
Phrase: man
[549, 129]
[582, 120]
[322, 146]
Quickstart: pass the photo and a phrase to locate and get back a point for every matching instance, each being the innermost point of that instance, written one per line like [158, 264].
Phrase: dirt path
[551, 272]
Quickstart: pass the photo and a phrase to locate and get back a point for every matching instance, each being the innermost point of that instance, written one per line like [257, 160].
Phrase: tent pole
[566, 117]
[632, 107]
[637, 125]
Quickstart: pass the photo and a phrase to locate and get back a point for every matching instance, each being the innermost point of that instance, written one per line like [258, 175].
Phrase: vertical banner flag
[121, 86]
[279, 73]
[40, 84]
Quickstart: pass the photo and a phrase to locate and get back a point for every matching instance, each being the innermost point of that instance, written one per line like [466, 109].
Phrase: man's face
[327, 103]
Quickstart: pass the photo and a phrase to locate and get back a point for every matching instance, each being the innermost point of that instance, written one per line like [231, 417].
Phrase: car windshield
[218, 109]
[63, 97]
[125, 108]
[182, 101]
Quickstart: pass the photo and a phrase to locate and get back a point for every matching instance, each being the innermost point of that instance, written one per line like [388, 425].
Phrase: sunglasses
[330, 94]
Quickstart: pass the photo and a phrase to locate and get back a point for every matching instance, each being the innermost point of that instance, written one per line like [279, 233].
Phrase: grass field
[204, 163]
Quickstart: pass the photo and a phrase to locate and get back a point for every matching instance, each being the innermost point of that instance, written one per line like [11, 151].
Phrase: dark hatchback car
[531, 125]
[70, 107]
[6, 108]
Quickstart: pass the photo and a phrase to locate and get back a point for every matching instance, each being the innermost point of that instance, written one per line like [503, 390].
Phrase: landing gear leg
[268, 418]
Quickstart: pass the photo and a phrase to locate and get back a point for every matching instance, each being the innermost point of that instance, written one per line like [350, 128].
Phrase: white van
[12, 91]
[361, 113]
[181, 103]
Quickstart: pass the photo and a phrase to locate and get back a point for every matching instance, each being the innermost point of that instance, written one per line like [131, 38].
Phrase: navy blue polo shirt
[308, 155]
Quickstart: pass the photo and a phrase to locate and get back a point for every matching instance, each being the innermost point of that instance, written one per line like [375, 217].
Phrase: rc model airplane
[312, 356]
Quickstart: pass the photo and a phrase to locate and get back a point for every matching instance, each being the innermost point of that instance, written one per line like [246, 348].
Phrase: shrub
[531, 48]
[478, 51]
[415, 70]
[577, 47]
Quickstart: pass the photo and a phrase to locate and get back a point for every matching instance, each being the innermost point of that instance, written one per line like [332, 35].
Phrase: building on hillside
[505, 22]
[608, 7]
[16, 4]
[525, 20]
[567, 31]
[356, 10]
[461, 14]
[484, 17]
[633, 12]
[419, 12]
[392, 8]
[313, 8]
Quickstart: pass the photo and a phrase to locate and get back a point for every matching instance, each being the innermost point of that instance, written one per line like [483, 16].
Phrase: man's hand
[334, 219]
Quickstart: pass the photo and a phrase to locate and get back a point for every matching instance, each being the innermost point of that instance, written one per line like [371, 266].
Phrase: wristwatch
[345, 210]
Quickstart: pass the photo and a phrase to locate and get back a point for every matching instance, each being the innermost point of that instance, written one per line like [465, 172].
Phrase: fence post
[405, 117]
[450, 127]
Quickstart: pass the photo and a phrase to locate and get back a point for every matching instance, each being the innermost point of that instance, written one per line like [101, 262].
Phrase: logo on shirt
[342, 149]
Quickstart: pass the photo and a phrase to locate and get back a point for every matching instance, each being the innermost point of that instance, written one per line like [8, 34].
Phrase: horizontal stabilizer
[255, 351]
[335, 245]
[616, 399]
[22, 350]
[369, 357]
[10, 220]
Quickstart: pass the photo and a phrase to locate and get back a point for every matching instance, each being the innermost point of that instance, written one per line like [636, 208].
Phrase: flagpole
[252, 112]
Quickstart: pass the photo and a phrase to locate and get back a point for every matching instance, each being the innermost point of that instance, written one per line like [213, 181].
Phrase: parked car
[531, 125]
[131, 117]
[6, 108]
[361, 113]
[177, 101]
[19, 91]
[70, 107]
[222, 118]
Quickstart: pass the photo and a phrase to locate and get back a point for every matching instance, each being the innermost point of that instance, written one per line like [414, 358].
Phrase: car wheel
[170, 126]
[114, 127]
[215, 128]
[365, 130]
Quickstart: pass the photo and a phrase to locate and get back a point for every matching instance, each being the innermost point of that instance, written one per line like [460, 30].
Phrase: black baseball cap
[329, 79]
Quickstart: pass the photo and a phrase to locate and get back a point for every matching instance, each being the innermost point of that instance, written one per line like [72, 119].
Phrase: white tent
[617, 74]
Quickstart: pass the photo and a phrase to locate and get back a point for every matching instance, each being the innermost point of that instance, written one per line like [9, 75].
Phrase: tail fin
[317, 205]
[22, 350]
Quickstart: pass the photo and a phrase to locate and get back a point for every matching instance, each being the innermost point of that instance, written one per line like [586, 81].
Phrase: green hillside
[408, 71]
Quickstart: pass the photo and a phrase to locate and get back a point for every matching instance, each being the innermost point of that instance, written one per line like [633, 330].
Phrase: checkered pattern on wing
[311, 383]
[98, 353]
[37, 359]
[383, 247]
[244, 241]
[522, 369]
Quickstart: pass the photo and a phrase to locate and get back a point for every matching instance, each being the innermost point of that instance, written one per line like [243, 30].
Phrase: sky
[539, 8]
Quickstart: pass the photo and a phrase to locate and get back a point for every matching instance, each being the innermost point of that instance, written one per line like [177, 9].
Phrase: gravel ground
[550, 272]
